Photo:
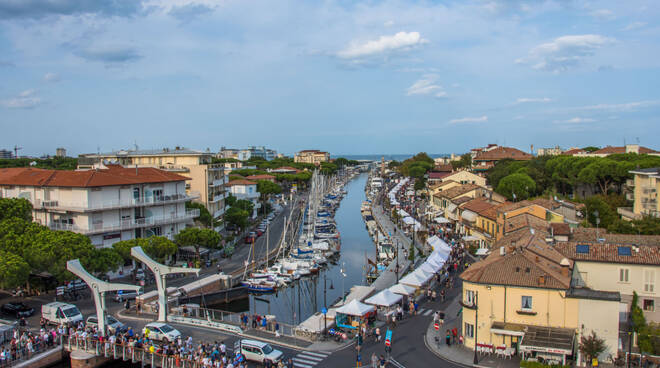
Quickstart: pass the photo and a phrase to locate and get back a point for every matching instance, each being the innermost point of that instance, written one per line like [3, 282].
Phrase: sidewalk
[456, 353]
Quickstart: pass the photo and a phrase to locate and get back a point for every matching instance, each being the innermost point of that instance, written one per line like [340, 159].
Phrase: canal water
[302, 299]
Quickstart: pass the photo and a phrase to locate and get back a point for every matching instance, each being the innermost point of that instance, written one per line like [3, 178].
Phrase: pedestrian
[460, 339]
[433, 295]
[448, 338]
[382, 361]
[454, 334]
[442, 295]
[377, 334]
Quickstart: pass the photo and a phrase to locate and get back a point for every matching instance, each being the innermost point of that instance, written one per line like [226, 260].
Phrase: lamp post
[476, 324]
[596, 214]
[343, 273]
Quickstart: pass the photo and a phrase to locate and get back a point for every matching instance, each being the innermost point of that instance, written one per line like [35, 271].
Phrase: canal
[306, 297]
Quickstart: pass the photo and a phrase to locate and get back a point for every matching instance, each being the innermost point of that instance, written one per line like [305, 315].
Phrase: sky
[348, 77]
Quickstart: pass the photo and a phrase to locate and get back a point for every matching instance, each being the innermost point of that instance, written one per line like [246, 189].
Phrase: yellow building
[507, 212]
[521, 298]
[449, 199]
[311, 157]
[205, 179]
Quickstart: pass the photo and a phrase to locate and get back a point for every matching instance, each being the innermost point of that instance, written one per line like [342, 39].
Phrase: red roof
[112, 176]
[610, 150]
[240, 182]
[438, 175]
[443, 168]
[501, 153]
[260, 177]
[574, 151]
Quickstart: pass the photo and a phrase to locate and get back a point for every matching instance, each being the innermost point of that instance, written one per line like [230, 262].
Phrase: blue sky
[343, 76]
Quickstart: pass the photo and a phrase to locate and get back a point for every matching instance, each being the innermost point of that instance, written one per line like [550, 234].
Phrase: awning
[402, 289]
[451, 208]
[470, 238]
[355, 308]
[482, 251]
[553, 340]
[441, 220]
[469, 216]
[385, 298]
[509, 329]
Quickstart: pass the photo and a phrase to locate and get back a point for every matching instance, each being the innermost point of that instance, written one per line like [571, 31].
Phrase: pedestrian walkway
[308, 359]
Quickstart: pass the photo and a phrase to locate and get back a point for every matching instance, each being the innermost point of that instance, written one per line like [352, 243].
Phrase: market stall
[351, 315]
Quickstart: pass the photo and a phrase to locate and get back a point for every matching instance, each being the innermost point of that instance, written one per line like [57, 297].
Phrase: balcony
[218, 213]
[468, 304]
[127, 224]
[218, 183]
[110, 205]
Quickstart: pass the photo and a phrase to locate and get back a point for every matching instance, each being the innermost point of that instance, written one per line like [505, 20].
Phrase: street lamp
[597, 223]
[343, 273]
[476, 325]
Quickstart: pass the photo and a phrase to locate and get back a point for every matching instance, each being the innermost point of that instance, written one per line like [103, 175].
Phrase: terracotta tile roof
[443, 168]
[484, 165]
[560, 228]
[610, 150]
[461, 200]
[112, 176]
[501, 153]
[528, 262]
[240, 182]
[457, 191]
[610, 253]
[438, 175]
[524, 220]
[574, 151]
[260, 177]
[588, 234]
[510, 206]
[478, 205]
[442, 184]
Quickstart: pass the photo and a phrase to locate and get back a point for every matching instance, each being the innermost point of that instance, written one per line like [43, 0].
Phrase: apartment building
[644, 186]
[613, 150]
[311, 157]
[204, 180]
[108, 205]
[488, 157]
[245, 189]
[556, 151]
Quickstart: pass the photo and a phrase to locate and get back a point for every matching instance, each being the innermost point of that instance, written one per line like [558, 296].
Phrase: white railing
[127, 224]
[218, 183]
[149, 201]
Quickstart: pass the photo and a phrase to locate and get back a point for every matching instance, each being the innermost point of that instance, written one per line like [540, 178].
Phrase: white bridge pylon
[99, 288]
[160, 272]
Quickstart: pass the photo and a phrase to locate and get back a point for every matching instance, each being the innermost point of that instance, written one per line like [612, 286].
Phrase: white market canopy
[435, 262]
[355, 308]
[438, 257]
[402, 289]
[403, 213]
[441, 220]
[413, 279]
[385, 298]
[430, 267]
[470, 238]
[438, 245]
[408, 220]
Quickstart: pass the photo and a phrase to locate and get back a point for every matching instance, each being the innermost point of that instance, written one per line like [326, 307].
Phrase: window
[624, 251]
[469, 330]
[136, 193]
[649, 305]
[582, 249]
[624, 274]
[649, 281]
[469, 297]
[526, 302]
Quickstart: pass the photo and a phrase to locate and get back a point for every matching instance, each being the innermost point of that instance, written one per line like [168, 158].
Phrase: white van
[123, 295]
[257, 351]
[59, 313]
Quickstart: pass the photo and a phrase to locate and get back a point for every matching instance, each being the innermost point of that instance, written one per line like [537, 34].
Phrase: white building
[108, 205]
[245, 189]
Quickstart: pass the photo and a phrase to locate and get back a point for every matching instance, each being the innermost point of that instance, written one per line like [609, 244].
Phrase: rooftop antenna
[135, 144]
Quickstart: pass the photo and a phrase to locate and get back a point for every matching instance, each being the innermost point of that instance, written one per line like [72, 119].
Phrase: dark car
[17, 310]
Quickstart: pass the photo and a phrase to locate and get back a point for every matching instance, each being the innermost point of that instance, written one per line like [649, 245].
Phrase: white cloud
[24, 100]
[384, 44]
[532, 99]
[633, 26]
[469, 120]
[426, 86]
[51, 77]
[603, 14]
[630, 106]
[577, 120]
[564, 52]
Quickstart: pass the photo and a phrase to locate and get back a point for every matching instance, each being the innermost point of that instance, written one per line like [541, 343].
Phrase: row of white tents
[392, 193]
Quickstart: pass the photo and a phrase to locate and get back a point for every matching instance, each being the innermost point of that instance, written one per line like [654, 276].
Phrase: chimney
[502, 251]
[542, 280]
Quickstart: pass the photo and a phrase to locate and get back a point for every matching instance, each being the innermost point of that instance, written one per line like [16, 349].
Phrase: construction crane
[16, 148]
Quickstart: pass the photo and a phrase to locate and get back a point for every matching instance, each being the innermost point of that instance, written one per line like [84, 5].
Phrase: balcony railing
[142, 202]
[127, 224]
[218, 183]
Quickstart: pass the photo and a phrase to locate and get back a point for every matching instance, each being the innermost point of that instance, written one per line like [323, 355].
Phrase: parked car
[76, 285]
[161, 331]
[258, 351]
[250, 238]
[259, 232]
[123, 295]
[139, 274]
[17, 309]
[111, 323]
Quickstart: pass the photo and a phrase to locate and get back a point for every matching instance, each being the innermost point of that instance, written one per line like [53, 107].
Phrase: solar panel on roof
[582, 249]
[624, 251]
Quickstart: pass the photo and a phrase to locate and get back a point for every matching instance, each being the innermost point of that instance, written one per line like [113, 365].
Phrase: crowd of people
[25, 344]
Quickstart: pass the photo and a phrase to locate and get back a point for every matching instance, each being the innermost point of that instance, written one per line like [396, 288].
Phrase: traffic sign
[436, 326]
[387, 342]
[324, 310]
[388, 337]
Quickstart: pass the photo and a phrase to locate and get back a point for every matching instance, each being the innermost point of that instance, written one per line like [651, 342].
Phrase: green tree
[230, 200]
[606, 214]
[328, 168]
[266, 188]
[14, 271]
[590, 148]
[198, 238]
[15, 207]
[103, 260]
[237, 217]
[158, 248]
[205, 217]
[245, 205]
[591, 346]
[464, 162]
[518, 184]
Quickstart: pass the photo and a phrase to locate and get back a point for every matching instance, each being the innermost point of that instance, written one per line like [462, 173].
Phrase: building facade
[245, 189]
[646, 185]
[107, 205]
[315, 157]
[205, 181]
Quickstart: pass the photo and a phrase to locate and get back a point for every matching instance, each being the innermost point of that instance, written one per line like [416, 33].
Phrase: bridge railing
[127, 351]
[24, 352]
